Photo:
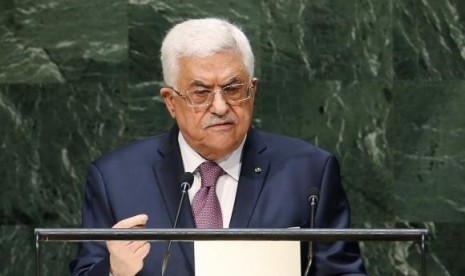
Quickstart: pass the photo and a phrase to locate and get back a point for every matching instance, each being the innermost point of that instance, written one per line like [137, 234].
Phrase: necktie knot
[209, 173]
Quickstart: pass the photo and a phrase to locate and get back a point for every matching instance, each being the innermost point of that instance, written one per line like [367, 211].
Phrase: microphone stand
[313, 201]
[184, 187]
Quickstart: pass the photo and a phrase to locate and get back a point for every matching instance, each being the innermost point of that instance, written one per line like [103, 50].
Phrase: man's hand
[127, 257]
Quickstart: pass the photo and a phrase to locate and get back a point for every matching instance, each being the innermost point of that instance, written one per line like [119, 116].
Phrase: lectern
[315, 235]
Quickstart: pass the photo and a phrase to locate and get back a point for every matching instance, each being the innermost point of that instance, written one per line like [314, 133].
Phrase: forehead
[213, 69]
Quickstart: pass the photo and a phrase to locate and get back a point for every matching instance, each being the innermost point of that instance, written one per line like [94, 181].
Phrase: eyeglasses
[202, 97]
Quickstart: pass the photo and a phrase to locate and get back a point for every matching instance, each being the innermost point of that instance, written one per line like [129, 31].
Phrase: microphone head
[186, 180]
[313, 192]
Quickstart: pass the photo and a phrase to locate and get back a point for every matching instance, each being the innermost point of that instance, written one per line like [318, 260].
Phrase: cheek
[244, 114]
[191, 121]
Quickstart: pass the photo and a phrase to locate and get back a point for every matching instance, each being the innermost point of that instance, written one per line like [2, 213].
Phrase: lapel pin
[258, 170]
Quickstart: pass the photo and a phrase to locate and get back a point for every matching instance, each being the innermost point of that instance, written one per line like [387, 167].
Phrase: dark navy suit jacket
[143, 177]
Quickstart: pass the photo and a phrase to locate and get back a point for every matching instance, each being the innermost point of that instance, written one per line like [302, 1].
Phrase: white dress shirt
[226, 187]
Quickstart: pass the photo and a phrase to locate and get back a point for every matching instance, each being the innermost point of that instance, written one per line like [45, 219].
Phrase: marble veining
[377, 83]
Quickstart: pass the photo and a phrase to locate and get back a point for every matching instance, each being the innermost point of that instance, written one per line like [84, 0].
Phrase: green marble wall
[380, 83]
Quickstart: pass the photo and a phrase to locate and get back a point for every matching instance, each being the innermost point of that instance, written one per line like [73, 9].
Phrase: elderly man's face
[219, 129]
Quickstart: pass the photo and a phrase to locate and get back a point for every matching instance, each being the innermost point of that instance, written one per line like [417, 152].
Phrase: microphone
[186, 182]
[314, 194]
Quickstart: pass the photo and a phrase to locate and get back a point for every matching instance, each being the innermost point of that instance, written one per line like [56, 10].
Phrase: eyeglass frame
[214, 91]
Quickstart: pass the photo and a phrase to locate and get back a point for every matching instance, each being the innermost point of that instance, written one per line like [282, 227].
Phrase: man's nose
[219, 104]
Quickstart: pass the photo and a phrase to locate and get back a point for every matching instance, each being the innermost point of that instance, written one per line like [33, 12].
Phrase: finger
[135, 245]
[130, 246]
[143, 251]
[118, 243]
[134, 221]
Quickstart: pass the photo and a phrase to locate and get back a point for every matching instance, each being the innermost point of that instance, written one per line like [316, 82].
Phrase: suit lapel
[168, 170]
[253, 172]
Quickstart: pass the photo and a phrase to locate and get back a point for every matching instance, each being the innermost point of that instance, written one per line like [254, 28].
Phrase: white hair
[202, 37]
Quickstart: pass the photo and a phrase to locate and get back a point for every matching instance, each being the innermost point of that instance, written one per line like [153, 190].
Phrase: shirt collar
[231, 164]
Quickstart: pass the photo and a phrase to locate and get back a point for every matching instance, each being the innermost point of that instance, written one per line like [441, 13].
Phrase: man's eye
[201, 92]
[232, 88]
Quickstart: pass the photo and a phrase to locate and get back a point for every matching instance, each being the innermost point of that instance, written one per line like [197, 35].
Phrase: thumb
[138, 220]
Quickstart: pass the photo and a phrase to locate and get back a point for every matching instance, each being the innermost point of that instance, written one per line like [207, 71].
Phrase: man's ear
[168, 98]
[254, 85]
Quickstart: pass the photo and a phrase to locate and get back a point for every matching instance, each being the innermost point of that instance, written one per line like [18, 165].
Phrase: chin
[225, 149]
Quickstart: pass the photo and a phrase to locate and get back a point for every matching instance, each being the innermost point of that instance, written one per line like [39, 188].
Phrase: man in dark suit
[263, 179]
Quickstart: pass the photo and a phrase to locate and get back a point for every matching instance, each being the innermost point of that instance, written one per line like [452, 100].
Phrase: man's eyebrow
[199, 83]
[232, 80]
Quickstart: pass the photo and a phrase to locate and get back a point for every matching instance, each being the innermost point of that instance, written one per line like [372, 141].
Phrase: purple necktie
[205, 205]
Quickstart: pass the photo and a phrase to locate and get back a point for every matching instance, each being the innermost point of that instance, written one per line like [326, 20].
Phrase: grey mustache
[220, 120]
